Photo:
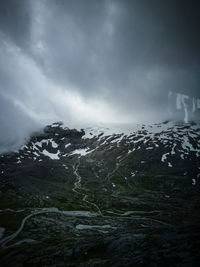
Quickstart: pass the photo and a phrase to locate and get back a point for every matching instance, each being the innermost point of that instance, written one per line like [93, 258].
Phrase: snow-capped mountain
[58, 142]
[100, 193]
[166, 146]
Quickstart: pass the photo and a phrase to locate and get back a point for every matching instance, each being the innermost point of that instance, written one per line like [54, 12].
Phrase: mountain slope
[101, 196]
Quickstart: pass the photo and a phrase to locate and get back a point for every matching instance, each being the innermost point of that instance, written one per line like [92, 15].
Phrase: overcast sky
[92, 61]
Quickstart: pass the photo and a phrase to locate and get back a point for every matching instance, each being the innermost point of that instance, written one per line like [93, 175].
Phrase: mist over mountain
[94, 61]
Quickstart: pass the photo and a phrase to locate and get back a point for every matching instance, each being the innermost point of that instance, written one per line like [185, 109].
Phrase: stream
[75, 213]
[77, 185]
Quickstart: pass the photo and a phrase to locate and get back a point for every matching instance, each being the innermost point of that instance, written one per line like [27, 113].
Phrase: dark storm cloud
[161, 35]
[92, 60]
[15, 19]
[123, 50]
[160, 32]
[110, 39]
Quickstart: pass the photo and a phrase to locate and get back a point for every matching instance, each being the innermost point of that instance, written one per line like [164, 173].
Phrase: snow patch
[81, 151]
[53, 143]
[164, 157]
[67, 145]
[193, 181]
[51, 155]
[36, 154]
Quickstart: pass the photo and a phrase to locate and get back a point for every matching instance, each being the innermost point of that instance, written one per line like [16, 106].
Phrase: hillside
[102, 197]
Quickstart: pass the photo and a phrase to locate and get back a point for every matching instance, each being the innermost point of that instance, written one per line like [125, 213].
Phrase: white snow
[34, 146]
[36, 154]
[45, 141]
[118, 139]
[38, 144]
[173, 151]
[170, 134]
[169, 164]
[53, 143]
[51, 155]
[69, 144]
[193, 181]
[131, 150]
[164, 157]
[81, 151]
[24, 146]
[57, 124]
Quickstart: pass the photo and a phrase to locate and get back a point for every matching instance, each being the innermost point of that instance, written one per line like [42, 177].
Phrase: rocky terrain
[102, 197]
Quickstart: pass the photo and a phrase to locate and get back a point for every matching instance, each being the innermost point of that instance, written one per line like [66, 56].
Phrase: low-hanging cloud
[93, 61]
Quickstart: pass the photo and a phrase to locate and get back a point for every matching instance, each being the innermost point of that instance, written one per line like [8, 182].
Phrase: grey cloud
[16, 125]
[59, 58]
[104, 45]
[15, 20]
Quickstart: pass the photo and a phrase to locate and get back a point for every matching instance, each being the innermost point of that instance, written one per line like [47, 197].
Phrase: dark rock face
[99, 198]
